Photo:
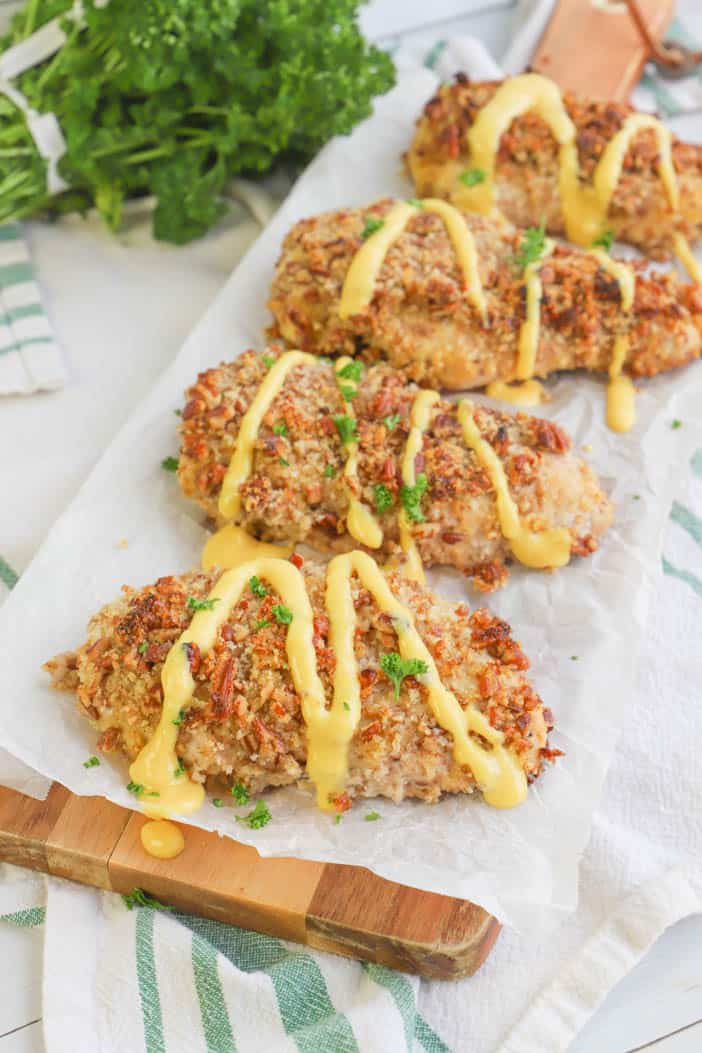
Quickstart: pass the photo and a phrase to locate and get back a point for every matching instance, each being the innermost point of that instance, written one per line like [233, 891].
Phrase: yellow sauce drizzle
[162, 839]
[549, 548]
[684, 253]
[240, 465]
[530, 392]
[621, 410]
[363, 272]
[584, 205]
[329, 729]
[419, 420]
[360, 522]
[231, 546]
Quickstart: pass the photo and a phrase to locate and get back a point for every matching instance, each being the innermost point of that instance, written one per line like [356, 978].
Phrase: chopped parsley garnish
[371, 226]
[201, 605]
[170, 464]
[347, 706]
[383, 498]
[91, 762]
[346, 427]
[257, 587]
[140, 791]
[372, 816]
[282, 614]
[347, 392]
[218, 802]
[178, 412]
[240, 793]
[411, 497]
[285, 464]
[472, 176]
[532, 247]
[256, 818]
[329, 471]
[180, 769]
[267, 361]
[636, 497]
[179, 719]
[143, 647]
[676, 424]
[604, 241]
[396, 668]
[338, 817]
[415, 202]
[392, 421]
[574, 658]
[138, 898]
[280, 429]
[262, 623]
[351, 371]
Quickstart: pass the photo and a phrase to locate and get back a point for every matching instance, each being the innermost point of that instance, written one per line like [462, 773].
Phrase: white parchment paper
[582, 626]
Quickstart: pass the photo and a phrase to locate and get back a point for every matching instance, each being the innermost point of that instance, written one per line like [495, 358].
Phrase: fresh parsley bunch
[173, 98]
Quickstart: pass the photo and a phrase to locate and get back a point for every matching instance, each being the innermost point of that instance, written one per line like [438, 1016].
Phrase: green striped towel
[30, 359]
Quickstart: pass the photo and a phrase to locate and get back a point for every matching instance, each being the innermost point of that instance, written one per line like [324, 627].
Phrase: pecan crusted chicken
[527, 166]
[245, 721]
[297, 491]
[422, 322]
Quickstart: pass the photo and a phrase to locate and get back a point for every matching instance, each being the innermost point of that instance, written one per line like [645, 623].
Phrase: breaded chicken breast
[527, 166]
[245, 724]
[422, 322]
[297, 489]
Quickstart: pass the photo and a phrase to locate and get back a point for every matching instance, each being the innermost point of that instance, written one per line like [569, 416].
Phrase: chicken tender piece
[296, 489]
[421, 321]
[245, 722]
[527, 166]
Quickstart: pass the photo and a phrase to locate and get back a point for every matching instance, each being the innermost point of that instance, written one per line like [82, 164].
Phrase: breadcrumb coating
[421, 321]
[245, 722]
[526, 173]
[296, 490]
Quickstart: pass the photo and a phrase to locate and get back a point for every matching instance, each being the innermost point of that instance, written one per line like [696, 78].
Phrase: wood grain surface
[343, 909]
[597, 52]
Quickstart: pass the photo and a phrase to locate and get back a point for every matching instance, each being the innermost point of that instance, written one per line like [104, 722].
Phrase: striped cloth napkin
[30, 359]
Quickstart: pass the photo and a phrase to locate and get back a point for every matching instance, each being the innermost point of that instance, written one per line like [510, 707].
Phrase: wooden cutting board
[593, 48]
[343, 909]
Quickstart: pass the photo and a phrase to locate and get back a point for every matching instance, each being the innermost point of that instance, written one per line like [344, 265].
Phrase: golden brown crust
[421, 321]
[296, 492]
[245, 722]
[526, 174]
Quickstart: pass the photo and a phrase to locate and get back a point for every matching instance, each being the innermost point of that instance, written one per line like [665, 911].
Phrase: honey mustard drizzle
[621, 410]
[360, 521]
[529, 392]
[422, 409]
[585, 205]
[330, 729]
[362, 274]
[547, 548]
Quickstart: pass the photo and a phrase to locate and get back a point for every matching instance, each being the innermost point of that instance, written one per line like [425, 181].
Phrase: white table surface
[121, 307]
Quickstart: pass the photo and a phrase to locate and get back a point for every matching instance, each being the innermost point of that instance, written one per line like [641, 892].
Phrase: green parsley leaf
[143, 647]
[396, 668]
[604, 241]
[285, 464]
[140, 791]
[372, 816]
[347, 392]
[91, 762]
[329, 471]
[347, 706]
[383, 498]
[392, 421]
[338, 817]
[240, 793]
[411, 497]
[201, 605]
[532, 247]
[170, 464]
[371, 226]
[218, 802]
[138, 898]
[472, 176]
[415, 202]
[282, 614]
[351, 371]
[574, 658]
[346, 427]
[179, 719]
[267, 361]
[257, 587]
[262, 623]
[280, 429]
[180, 769]
[636, 497]
[256, 818]
[676, 424]
[178, 412]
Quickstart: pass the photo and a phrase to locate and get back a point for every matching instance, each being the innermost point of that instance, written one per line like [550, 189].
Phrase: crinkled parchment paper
[582, 626]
